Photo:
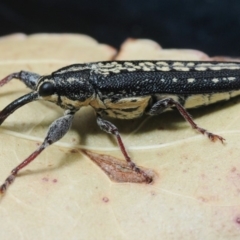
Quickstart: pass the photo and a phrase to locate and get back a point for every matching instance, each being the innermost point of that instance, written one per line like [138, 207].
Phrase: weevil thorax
[69, 90]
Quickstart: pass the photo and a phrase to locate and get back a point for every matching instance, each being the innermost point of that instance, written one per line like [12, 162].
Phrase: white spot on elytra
[215, 80]
[231, 78]
[162, 63]
[163, 68]
[191, 80]
[190, 64]
[174, 79]
[184, 69]
[178, 64]
[131, 69]
[215, 68]
[129, 64]
[149, 64]
[146, 69]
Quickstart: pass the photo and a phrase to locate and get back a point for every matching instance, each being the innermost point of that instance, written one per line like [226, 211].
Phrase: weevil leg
[160, 105]
[55, 132]
[28, 78]
[112, 129]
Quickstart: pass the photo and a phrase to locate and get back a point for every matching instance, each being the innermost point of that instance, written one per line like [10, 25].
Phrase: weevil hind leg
[112, 129]
[55, 132]
[30, 79]
[161, 105]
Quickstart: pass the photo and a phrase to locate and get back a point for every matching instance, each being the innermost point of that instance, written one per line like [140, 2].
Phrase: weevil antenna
[13, 106]
[28, 78]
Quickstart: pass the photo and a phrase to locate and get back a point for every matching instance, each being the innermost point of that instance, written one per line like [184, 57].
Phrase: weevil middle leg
[161, 105]
[112, 129]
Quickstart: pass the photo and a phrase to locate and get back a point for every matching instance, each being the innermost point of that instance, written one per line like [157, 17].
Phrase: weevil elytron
[125, 90]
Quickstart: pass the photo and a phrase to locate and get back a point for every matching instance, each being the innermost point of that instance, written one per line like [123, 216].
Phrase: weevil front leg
[112, 129]
[28, 78]
[161, 105]
[55, 132]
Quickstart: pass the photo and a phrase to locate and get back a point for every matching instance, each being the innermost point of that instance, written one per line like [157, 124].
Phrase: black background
[212, 26]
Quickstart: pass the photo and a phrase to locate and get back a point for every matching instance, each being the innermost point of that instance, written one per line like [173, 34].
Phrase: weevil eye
[46, 89]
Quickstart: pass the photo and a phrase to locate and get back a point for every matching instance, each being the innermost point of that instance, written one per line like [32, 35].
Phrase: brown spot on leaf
[238, 220]
[73, 151]
[105, 199]
[202, 199]
[45, 179]
[119, 171]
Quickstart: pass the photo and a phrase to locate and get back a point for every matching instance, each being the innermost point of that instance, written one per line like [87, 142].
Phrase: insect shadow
[56, 164]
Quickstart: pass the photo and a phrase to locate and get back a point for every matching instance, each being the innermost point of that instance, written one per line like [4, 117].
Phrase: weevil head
[69, 90]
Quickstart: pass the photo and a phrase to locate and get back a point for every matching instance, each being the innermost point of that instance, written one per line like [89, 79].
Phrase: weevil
[125, 90]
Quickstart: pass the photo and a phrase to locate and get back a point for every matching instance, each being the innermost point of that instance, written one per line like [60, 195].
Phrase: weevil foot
[9, 180]
[213, 137]
[141, 172]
